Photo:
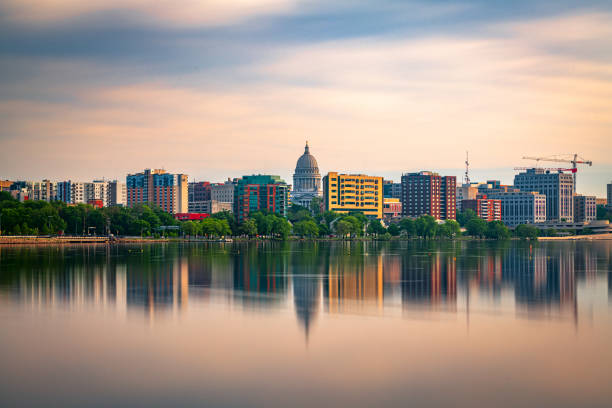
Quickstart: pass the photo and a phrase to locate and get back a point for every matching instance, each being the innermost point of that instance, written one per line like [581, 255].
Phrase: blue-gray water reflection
[320, 320]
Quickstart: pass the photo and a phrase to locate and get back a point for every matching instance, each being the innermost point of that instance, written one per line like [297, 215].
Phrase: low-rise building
[346, 193]
[521, 207]
[609, 187]
[392, 207]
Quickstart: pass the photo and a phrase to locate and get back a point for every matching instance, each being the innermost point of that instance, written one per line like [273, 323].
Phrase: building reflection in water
[356, 278]
[430, 279]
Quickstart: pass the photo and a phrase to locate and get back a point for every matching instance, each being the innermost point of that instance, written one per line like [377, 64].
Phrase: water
[307, 324]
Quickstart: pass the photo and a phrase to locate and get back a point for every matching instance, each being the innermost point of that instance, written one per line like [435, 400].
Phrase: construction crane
[559, 169]
[574, 159]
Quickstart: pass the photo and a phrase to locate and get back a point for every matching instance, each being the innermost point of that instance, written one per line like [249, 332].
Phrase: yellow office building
[344, 193]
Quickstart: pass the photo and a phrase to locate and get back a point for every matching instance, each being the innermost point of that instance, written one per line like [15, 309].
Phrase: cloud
[162, 12]
[380, 104]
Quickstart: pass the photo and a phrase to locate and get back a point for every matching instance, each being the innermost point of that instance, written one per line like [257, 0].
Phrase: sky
[220, 88]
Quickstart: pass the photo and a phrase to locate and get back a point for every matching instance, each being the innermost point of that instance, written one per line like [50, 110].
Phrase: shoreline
[46, 240]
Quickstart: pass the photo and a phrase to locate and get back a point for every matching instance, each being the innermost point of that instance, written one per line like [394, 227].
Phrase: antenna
[467, 168]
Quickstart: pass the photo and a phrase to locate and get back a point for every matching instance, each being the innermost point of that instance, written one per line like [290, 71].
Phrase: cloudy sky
[219, 89]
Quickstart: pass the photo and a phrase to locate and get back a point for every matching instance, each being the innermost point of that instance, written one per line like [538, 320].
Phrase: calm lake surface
[307, 324]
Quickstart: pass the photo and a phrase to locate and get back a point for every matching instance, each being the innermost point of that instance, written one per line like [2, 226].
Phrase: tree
[497, 230]
[306, 228]
[329, 216]
[190, 228]
[394, 230]
[355, 223]
[281, 227]
[426, 226]
[476, 227]
[450, 229]
[323, 229]
[229, 219]
[465, 216]
[375, 228]
[343, 227]
[603, 213]
[316, 204]
[408, 225]
[526, 231]
[249, 227]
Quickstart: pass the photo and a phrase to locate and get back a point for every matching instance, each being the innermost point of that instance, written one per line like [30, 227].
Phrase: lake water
[307, 324]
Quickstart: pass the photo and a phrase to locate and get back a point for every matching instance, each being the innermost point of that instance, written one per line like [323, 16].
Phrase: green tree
[497, 230]
[463, 217]
[476, 227]
[249, 227]
[190, 228]
[316, 206]
[323, 229]
[450, 229]
[281, 227]
[394, 230]
[343, 228]
[229, 219]
[356, 224]
[526, 231]
[408, 226]
[375, 228]
[306, 228]
[426, 226]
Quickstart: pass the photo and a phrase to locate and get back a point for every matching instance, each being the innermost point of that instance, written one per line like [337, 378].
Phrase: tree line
[44, 218]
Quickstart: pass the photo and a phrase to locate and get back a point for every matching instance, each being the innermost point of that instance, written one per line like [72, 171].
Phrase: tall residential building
[97, 191]
[610, 196]
[165, 190]
[558, 188]
[71, 192]
[345, 193]
[391, 189]
[486, 208]
[306, 179]
[585, 208]
[427, 193]
[44, 190]
[260, 192]
[521, 207]
[117, 193]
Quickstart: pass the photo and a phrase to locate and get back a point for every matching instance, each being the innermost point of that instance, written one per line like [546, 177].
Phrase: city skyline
[220, 90]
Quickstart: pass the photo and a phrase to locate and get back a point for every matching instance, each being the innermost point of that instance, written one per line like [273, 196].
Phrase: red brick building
[485, 208]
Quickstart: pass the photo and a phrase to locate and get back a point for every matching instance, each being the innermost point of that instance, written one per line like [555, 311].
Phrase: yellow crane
[574, 159]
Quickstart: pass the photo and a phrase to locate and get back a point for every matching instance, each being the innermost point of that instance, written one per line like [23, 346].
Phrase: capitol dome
[307, 164]
[306, 179]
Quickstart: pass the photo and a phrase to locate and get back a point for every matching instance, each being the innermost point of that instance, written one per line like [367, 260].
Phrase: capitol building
[306, 179]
